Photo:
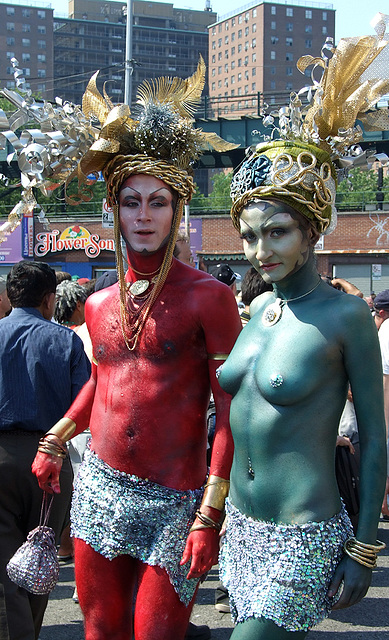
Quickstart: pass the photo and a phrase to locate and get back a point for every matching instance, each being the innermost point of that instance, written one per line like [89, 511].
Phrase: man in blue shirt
[42, 368]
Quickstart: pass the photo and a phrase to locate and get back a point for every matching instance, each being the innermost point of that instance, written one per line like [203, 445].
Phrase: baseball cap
[381, 301]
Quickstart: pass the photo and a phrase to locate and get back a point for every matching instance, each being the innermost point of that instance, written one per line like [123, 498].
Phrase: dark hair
[62, 275]
[28, 282]
[66, 298]
[252, 286]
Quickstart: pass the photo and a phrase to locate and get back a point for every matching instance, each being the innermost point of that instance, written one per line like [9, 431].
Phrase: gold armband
[216, 491]
[63, 429]
[218, 356]
[363, 553]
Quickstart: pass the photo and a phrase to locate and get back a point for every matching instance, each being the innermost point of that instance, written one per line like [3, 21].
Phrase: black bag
[347, 477]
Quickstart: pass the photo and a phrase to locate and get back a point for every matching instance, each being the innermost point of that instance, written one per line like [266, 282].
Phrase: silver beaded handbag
[34, 566]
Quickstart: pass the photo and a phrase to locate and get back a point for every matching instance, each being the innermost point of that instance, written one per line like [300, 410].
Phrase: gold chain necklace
[273, 311]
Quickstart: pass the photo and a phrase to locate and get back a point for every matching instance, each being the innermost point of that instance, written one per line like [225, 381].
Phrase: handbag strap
[45, 509]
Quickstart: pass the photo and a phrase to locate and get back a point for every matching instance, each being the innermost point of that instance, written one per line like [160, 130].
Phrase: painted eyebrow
[153, 193]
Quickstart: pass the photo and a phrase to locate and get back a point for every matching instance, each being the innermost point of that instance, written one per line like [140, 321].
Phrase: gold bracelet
[207, 521]
[51, 451]
[199, 527]
[63, 429]
[216, 491]
[363, 553]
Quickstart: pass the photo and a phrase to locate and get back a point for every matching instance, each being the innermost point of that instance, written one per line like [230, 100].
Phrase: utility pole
[128, 61]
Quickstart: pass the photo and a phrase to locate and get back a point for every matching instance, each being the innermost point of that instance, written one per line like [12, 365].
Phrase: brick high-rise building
[255, 50]
[26, 33]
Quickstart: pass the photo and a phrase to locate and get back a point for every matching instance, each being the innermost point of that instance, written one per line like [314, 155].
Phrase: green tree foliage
[219, 199]
[359, 189]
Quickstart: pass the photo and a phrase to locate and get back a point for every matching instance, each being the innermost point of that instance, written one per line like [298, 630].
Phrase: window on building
[226, 40]
[273, 26]
[253, 86]
[232, 64]
[246, 61]
[213, 72]
[10, 11]
[10, 84]
[274, 40]
[26, 28]
[324, 31]
[25, 12]
[213, 59]
[219, 42]
[324, 16]
[254, 27]
[226, 68]
[226, 25]
[240, 19]
[41, 14]
[10, 41]
[246, 89]
[272, 99]
[308, 14]
[41, 29]
[26, 42]
[246, 31]
[239, 48]
[247, 16]
[254, 43]
[232, 22]
[232, 51]
[246, 45]
[213, 87]
[219, 55]
[232, 37]
[213, 44]
[274, 10]
[41, 44]
[9, 70]
[254, 13]
[219, 70]
[41, 73]
[253, 71]
[246, 75]
[289, 86]
[213, 31]
[272, 84]
[289, 12]
[239, 62]
[308, 44]
[289, 26]
[239, 91]
[308, 28]
[226, 82]
[272, 55]
[273, 71]
[27, 72]
[41, 57]
[220, 28]
[240, 33]
[41, 87]
[289, 71]
[10, 54]
[239, 77]
[232, 79]
[254, 57]
[289, 42]
[10, 26]
[26, 57]
[232, 94]
[289, 57]
[219, 84]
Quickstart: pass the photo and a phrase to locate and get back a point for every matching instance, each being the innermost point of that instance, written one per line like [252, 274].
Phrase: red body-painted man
[146, 408]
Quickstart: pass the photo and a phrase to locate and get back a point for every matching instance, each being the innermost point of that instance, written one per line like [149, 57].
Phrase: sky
[352, 16]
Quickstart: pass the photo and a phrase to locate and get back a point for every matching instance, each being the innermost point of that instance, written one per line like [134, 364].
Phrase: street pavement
[368, 620]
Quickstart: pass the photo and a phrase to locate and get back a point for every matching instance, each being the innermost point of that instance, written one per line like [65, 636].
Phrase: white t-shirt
[383, 336]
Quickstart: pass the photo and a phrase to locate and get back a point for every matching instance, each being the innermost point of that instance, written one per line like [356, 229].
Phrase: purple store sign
[195, 234]
[11, 248]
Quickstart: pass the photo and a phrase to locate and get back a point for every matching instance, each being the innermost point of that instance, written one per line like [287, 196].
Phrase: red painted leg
[105, 590]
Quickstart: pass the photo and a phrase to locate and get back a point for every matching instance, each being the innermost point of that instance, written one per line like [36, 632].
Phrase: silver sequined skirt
[116, 513]
[281, 572]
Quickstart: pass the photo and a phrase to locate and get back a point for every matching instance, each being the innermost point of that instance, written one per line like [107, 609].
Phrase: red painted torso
[149, 405]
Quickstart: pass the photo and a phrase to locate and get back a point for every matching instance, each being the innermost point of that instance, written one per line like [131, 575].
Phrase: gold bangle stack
[365, 554]
[52, 448]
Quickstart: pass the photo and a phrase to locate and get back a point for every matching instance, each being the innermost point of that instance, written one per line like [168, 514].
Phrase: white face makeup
[145, 212]
[274, 242]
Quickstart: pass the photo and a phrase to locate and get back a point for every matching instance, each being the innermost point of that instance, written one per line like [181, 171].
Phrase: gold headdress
[72, 143]
[320, 139]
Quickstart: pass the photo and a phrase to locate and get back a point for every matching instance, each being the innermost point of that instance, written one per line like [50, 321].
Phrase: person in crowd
[141, 517]
[42, 369]
[289, 554]
[61, 276]
[5, 305]
[182, 250]
[225, 274]
[381, 316]
[253, 285]
[70, 304]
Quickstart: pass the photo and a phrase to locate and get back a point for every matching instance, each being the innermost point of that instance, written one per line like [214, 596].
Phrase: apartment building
[254, 51]
[26, 33]
[165, 41]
